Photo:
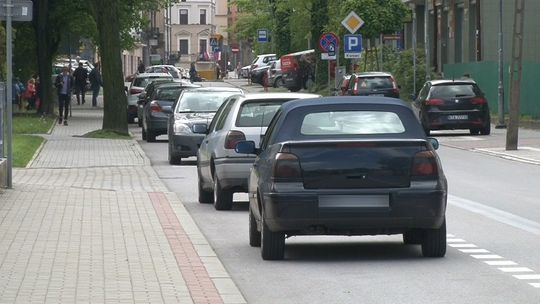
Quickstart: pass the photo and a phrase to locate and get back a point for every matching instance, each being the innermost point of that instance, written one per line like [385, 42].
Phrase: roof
[266, 96]
[152, 75]
[176, 84]
[343, 100]
[373, 74]
[216, 89]
[300, 53]
[447, 81]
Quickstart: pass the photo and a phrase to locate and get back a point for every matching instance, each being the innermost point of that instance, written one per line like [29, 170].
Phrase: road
[493, 208]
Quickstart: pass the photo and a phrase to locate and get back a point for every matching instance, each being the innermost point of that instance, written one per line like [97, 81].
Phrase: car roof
[175, 84]
[372, 74]
[217, 89]
[300, 53]
[152, 75]
[452, 81]
[266, 96]
[343, 100]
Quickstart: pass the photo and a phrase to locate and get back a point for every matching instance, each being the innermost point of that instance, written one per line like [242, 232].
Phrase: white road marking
[537, 285]
[515, 269]
[527, 276]
[500, 263]
[486, 256]
[496, 214]
[474, 250]
[462, 245]
[455, 240]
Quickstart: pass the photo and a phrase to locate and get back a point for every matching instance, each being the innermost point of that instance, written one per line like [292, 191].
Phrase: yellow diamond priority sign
[352, 22]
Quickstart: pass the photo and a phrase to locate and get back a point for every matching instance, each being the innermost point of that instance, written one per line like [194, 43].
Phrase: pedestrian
[192, 72]
[64, 85]
[81, 77]
[141, 68]
[95, 83]
[238, 70]
[29, 95]
[18, 89]
[218, 71]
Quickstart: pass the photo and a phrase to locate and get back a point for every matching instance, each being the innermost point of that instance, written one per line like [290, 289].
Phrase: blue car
[346, 166]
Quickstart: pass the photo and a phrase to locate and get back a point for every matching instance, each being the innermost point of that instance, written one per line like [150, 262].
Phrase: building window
[203, 16]
[184, 47]
[202, 45]
[183, 16]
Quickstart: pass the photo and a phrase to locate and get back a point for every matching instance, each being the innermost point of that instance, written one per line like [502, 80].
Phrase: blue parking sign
[262, 35]
[353, 43]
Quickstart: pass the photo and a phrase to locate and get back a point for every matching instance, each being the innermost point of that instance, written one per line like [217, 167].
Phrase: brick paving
[89, 221]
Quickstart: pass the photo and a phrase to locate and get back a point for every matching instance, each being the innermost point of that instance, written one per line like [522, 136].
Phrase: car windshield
[375, 83]
[170, 93]
[258, 113]
[200, 101]
[351, 123]
[454, 90]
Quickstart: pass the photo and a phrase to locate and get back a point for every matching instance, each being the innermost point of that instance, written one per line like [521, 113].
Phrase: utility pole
[414, 46]
[9, 91]
[426, 39]
[515, 77]
[500, 89]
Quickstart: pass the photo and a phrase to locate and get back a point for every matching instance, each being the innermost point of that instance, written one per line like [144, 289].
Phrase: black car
[258, 74]
[372, 84]
[346, 166]
[157, 110]
[453, 104]
[144, 97]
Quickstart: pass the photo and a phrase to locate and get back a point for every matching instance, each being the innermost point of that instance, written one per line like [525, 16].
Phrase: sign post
[12, 11]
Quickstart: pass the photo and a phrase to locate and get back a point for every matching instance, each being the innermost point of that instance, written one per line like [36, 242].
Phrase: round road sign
[327, 40]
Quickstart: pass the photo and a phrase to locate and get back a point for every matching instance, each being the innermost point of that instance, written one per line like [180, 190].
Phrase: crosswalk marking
[500, 263]
[474, 250]
[515, 269]
[486, 256]
[527, 276]
[462, 245]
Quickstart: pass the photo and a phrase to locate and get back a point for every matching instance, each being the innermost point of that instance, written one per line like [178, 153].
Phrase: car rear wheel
[139, 122]
[412, 237]
[272, 243]
[434, 242]
[222, 197]
[205, 197]
[143, 133]
[254, 234]
[150, 136]
[486, 130]
[474, 131]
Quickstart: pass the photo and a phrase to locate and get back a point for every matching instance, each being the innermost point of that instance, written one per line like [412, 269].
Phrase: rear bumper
[233, 173]
[441, 120]
[303, 212]
[157, 123]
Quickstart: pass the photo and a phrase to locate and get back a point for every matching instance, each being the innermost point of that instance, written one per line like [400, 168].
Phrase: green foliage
[24, 51]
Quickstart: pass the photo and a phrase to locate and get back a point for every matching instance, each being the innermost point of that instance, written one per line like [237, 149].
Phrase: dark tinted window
[454, 90]
[380, 82]
[170, 94]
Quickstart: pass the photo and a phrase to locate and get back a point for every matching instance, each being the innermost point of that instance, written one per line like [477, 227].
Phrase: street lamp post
[500, 89]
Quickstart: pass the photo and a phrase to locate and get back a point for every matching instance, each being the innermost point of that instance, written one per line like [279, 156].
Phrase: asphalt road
[493, 208]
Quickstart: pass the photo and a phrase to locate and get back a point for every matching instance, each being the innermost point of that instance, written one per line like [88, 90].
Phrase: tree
[319, 21]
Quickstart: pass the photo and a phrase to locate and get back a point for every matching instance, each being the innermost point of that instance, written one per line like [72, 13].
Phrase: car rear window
[454, 90]
[258, 113]
[352, 123]
[202, 101]
[171, 93]
[378, 82]
[144, 81]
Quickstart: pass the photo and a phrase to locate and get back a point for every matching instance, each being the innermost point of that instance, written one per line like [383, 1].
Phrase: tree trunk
[114, 100]
[319, 19]
[47, 44]
[282, 31]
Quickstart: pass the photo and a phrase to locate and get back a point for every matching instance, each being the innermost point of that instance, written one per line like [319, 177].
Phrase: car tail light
[134, 91]
[287, 166]
[424, 165]
[233, 137]
[434, 102]
[478, 100]
[155, 107]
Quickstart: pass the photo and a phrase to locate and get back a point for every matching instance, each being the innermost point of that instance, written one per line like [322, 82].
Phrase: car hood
[193, 118]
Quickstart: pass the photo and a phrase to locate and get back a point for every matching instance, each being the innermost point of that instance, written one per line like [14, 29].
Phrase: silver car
[194, 106]
[222, 171]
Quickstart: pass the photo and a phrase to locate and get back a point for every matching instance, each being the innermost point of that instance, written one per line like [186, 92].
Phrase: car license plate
[354, 201]
[458, 117]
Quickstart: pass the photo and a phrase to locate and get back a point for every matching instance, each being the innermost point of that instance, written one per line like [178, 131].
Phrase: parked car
[259, 74]
[346, 166]
[171, 69]
[297, 68]
[137, 86]
[244, 71]
[262, 60]
[193, 107]
[144, 97]
[158, 108]
[222, 171]
[274, 74]
[453, 104]
[373, 84]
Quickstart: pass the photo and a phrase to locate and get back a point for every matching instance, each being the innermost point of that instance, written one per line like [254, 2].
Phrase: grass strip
[24, 148]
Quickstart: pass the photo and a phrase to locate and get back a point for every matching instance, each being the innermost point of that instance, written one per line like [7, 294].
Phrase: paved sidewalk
[90, 221]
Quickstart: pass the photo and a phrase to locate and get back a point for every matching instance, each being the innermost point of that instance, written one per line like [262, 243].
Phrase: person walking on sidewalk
[95, 83]
[64, 86]
[81, 76]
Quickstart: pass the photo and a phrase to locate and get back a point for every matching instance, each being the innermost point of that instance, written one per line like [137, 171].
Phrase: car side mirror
[434, 142]
[245, 147]
[200, 128]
